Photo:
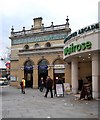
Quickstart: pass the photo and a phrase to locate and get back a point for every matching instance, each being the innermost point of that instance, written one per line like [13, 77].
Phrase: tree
[6, 55]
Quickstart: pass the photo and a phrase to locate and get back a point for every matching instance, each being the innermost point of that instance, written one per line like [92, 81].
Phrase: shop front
[82, 52]
[59, 71]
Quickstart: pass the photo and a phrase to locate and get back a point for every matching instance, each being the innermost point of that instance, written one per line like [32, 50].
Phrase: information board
[59, 89]
[13, 78]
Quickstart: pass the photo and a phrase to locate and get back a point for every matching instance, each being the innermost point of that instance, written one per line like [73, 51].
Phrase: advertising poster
[67, 87]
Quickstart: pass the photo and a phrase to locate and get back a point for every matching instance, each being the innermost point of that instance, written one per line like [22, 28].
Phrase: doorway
[59, 70]
[42, 71]
[28, 73]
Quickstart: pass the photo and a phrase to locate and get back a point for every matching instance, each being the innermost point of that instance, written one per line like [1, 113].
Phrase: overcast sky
[19, 13]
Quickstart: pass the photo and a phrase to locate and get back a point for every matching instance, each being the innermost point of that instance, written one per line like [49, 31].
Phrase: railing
[39, 30]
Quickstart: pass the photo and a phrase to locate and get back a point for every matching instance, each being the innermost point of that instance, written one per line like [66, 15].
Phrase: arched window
[48, 44]
[43, 62]
[26, 47]
[28, 65]
[28, 73]
[43, 70]
[36, 45]
[58, 61]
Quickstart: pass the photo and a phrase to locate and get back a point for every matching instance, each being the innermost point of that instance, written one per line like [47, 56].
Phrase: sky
[20, 13]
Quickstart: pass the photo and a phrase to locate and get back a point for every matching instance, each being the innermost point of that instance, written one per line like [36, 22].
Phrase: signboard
[59, 89]
[59, 66]
[59, 71]
[13, 78]
[67, 87]
[82, 31]
[77, 48]
[39, 38]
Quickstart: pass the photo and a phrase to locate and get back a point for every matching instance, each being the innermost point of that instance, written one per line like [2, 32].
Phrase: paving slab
[33, 104]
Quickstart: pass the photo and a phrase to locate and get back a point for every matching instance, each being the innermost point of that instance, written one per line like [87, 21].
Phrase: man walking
[49, 84]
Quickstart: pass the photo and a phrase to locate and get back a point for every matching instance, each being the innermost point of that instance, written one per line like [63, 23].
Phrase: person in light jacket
[22, 83]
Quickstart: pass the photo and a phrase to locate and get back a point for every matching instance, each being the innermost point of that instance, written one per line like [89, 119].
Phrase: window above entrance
[43, 62]
[28, 63]
[48, 44]
[36, 45]
[26, 47]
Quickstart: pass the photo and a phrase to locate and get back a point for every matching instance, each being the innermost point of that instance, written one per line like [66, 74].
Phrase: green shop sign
[81, 31]
[77, 48]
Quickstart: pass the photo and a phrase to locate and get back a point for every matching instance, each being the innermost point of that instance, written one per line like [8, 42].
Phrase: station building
[82, 56]
[38, 52]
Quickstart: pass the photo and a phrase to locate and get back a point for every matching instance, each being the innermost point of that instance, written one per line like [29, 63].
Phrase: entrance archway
[28, 73]
[42, 70]
[59, 69]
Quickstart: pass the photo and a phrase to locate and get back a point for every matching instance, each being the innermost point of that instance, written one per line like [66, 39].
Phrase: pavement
[33, 104]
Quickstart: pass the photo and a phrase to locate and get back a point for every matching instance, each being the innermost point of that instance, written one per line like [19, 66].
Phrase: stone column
[68, 73]
[74, 75]
[96, 75]
[50, 72]
[35, 78]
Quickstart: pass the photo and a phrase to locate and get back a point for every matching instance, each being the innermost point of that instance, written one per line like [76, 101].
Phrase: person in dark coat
[59, 81]
[41, 84]
[55, 92]
[49, 84]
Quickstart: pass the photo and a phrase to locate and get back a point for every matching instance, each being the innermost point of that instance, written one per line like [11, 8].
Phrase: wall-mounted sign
[42, 38]
[60, 66]
[13, 78]
[77, 48]
[81, 31]
[28, 67]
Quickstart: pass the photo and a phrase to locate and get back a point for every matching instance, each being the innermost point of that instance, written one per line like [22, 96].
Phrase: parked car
[3, 81]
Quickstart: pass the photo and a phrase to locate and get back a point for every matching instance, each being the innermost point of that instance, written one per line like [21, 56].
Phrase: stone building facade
[38, 52]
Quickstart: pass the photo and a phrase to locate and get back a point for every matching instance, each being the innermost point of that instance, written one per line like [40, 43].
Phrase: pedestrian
[49, 84]
[22, 84]
[41, 84]
[55, 92]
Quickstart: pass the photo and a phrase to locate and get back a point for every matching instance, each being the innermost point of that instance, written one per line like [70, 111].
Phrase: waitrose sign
[77, 48]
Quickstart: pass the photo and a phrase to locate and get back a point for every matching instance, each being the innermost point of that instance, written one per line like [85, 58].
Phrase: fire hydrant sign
[59, 89]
